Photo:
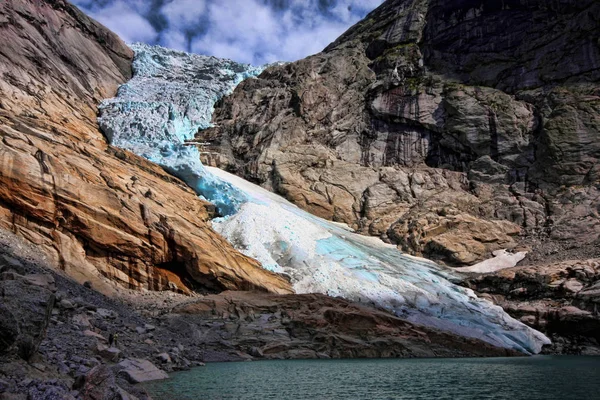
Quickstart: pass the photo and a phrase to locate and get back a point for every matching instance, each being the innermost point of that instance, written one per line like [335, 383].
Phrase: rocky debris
[68, 352]
[85, 203]
[138, 371]
[449, 144]
[101, 384]
[164, 358]
[559, 299]
[314, 326]
[111, 354]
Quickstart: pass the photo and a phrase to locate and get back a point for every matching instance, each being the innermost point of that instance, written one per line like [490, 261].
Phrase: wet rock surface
[452, 129]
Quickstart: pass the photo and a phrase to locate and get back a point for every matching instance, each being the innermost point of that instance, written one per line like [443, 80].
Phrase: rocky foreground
[55, 332]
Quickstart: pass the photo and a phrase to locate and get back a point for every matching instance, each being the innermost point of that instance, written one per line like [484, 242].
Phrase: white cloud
[121, 18]
[184, 14]
[254, 31]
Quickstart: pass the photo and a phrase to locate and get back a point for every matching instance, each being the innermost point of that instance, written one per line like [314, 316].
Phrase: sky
[250, 31]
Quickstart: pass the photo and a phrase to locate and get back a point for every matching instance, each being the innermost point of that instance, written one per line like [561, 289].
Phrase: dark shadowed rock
[9, 328]
[31, 305]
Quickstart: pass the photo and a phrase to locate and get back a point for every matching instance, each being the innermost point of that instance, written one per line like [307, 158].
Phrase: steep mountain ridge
[94, 209]
[451, 129]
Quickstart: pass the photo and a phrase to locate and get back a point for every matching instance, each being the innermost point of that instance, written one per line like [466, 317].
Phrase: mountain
[451, 129]
[96, 210]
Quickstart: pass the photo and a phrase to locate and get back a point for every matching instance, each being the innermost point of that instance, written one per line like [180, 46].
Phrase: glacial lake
[531, 378]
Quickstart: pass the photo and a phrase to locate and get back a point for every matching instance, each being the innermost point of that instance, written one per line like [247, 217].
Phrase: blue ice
[172, 95]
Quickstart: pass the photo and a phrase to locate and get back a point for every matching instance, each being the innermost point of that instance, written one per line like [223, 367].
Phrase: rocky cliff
[94, 209]
[450, 129]
[560, 299]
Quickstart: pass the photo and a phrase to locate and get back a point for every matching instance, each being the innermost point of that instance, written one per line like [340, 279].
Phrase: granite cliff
[451, 129]
[96, 210]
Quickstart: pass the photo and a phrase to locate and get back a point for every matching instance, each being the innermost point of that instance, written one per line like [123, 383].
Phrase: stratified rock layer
[561, 299]
[450, 128]
[315, 326]
[93, 208]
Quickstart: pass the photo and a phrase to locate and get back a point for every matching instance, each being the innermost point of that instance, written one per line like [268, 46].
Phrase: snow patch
[502, 260]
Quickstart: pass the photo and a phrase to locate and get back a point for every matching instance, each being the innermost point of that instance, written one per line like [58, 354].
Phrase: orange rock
[92, 208]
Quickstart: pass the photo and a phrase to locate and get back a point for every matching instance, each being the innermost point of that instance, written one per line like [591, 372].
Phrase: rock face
[560, 299]
[94, 209]
[450, 128]
[315, 326]
[9, 328]
[29, 306]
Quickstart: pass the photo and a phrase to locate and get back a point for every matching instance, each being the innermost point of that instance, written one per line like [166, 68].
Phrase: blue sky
[252, 31]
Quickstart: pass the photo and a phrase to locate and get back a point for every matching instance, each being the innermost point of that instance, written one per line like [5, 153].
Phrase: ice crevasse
[172, 95]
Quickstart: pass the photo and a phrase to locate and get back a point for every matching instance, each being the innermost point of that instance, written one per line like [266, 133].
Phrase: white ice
[322, 257]
[172, 95]
[502, 260]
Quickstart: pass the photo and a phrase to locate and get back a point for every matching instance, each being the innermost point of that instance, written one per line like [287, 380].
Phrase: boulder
[95, 335]
[66, 304]
[164, 358]
[45, 281]
[100, 384]
[137, 371]
[111, 354]
[104, 313]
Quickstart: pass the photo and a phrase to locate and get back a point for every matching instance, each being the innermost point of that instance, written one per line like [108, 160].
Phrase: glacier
[172, 95]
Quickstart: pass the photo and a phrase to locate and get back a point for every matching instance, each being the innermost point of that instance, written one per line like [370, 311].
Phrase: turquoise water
[532, 378]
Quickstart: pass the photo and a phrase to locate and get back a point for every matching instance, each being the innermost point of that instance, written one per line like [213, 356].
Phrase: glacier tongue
[172, 95]
[322, 257]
